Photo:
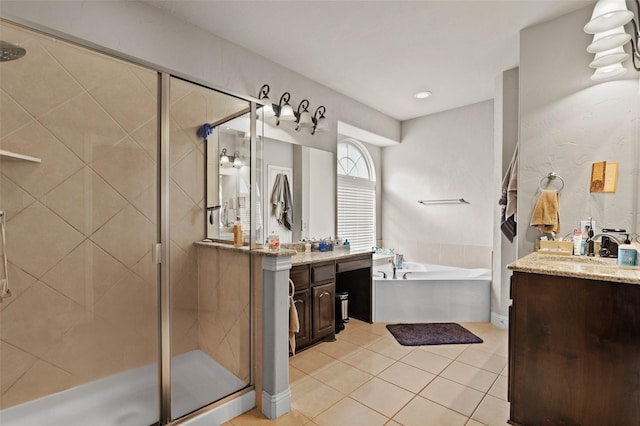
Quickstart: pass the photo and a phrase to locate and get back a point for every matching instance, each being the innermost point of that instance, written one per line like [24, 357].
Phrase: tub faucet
[394, 266]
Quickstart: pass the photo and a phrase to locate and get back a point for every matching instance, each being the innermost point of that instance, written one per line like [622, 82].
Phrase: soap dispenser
[237, 233]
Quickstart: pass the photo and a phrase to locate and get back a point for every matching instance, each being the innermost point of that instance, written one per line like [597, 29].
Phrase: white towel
[294, 321]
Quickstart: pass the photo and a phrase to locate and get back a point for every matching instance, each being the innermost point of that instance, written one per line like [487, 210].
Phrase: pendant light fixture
[609, 38]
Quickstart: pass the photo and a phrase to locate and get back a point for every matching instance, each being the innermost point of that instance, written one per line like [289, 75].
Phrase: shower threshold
[129, 398]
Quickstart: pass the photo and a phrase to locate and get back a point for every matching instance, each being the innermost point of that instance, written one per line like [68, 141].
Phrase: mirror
[311, 175]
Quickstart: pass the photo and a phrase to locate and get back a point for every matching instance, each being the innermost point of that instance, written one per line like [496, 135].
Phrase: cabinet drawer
[322, 272]
[352, 265]
[300, 277]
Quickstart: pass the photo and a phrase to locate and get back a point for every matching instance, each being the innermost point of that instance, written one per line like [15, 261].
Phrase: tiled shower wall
[80, 224]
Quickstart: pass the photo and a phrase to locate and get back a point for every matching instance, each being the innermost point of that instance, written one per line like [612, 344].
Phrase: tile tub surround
[594, 268]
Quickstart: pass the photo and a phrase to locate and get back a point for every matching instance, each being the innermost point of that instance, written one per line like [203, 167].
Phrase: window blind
[357, 212]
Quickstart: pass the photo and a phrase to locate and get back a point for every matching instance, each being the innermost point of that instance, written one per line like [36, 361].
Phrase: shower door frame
[161, 250]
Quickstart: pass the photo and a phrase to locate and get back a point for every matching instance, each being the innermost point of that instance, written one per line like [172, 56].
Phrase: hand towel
[546, 212]
[509, 199]
[294, 321]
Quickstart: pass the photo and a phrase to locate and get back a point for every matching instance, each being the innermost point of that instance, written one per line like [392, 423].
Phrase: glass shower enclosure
[102, 192]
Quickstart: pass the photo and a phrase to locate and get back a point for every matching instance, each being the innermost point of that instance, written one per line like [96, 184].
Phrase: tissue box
[555, 247]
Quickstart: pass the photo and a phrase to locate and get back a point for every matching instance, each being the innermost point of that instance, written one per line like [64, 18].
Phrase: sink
[588, 260]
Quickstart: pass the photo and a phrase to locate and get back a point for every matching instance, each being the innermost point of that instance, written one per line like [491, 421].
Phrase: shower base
[130, 398]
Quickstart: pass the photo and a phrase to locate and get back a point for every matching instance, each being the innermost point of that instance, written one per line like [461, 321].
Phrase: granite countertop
[593, 268]
[304, 258]
[244, 249]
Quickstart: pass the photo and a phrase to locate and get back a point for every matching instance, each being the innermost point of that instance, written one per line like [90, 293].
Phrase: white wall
[148, 35]
[442, 156]
[568, 122]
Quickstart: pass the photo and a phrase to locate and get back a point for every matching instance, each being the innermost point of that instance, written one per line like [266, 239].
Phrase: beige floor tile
[453, 395]
[369, 361]
[492, 411]
[360, 336]
[469, 375]
[350, 412]
[505, 371]
[447, 351]
[472, 422]
[406, 376]
[485, 360]
[422, 412]
[499, 388]
[380, 328]
[311, 360]
[382, 396]
[311, 397]
[338, 349]
[390, 348]
[295, 375]
[354, 323]
[427, 361]
[342, 377]
[255, 417]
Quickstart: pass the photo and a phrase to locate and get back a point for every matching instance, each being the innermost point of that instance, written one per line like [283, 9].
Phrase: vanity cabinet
[314, 299]
[574, 351]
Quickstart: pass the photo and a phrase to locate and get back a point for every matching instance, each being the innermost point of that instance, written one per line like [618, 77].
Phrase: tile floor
[366, 378]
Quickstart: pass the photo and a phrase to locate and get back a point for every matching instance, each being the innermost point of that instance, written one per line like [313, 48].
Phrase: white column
[276, 397]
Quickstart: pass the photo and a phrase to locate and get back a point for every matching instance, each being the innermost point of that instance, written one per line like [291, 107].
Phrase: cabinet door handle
[324, 293]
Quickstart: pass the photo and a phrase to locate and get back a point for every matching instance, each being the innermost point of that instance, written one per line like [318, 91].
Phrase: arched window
[356, 195]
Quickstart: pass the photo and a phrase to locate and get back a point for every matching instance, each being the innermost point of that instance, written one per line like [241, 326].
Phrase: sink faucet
[394, 266]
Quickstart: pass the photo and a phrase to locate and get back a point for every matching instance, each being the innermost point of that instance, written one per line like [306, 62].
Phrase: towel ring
[550, 178]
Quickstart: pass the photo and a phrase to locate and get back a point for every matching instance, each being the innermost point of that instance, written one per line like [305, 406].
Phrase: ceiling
[381, 52]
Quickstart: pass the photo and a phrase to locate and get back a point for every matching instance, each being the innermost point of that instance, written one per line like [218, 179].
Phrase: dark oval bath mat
[437, 333]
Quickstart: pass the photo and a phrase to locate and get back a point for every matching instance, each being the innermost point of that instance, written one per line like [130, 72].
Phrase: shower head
[10, 52]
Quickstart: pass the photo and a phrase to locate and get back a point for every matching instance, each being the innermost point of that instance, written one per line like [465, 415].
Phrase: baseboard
[274, 406]
[500, 321]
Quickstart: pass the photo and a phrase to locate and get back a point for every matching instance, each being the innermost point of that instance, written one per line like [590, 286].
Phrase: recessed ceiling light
[422, 95]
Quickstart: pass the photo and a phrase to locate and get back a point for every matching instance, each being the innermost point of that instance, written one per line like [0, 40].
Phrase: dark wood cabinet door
[302, 302]
[323, 321]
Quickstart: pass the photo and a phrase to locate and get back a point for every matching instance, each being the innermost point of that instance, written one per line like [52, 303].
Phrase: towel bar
[447, 201]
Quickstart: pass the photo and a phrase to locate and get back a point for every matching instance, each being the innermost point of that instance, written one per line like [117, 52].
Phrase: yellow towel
[545, 215]
[294, 321]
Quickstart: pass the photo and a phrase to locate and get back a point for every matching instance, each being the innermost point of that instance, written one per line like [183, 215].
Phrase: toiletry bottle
[627, 254]
[237, 233]
[577, 243]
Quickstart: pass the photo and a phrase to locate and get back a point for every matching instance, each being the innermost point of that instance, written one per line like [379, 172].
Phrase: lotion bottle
[237, 233]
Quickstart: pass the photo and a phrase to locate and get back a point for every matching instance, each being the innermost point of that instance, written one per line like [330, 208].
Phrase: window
[356, 195]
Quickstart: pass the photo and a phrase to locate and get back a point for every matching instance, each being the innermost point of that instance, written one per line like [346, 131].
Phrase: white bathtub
[431, 293]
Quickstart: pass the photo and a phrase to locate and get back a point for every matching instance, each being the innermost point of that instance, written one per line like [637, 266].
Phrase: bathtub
[431, 293]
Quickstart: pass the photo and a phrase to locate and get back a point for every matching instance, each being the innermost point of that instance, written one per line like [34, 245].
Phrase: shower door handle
[156, 252]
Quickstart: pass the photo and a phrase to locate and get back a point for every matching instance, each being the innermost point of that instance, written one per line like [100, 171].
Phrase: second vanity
[317, 277]
[574, 342]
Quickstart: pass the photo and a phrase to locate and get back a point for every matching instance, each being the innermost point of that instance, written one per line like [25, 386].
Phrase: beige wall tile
[58, 162]
[13, 198]
[39, 318]
[12, 115]
[188, 173]
[85, 201]
[41, 380]
[147, 137]
[14, 363]
[38, 81]
[20, 282]
[128, 168]
[127, 100]
[85, 275]
[477, 257]
[37, 239]
[84, 127]
[127, 236]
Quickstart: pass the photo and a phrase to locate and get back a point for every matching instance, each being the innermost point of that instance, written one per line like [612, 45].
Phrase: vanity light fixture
[609, 36]
[237, 161]
[285, 112]
[319, 121]
[224, 158]
[303, 118]
[264, 97]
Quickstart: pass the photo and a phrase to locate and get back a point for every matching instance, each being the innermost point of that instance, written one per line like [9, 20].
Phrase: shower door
[81, 218]
[209, 310]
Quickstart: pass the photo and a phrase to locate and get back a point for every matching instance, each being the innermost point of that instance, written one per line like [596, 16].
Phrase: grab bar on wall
[4, 282]
[446, 201]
